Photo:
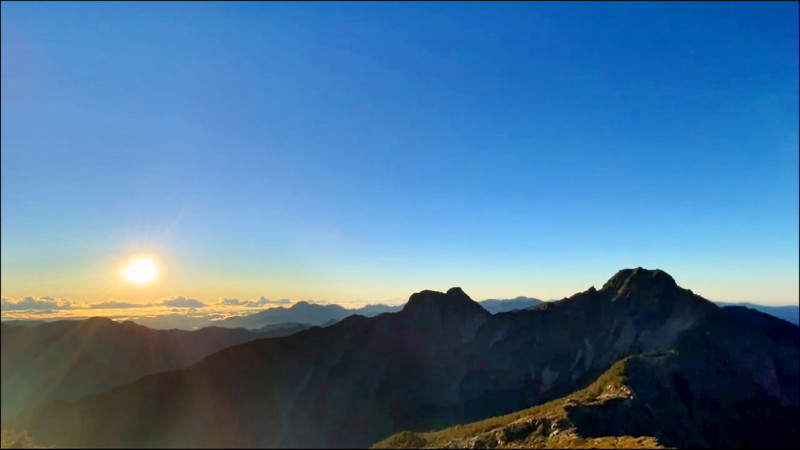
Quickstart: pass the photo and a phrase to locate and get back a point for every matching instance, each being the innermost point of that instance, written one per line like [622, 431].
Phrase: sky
[360, 152]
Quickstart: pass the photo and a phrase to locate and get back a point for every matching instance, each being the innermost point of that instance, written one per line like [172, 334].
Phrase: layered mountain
[324, 315]
[506, 305]
[445, 360]
[790, 314]
[778, 329]
[71, 358]
[303, 312]
[24, 323]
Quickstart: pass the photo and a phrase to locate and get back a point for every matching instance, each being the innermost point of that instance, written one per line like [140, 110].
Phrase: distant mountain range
[302, 312]
[314, 314]
[501, 306]
[709, 377]
[35, 372]
[25, 323]
[787, 313]
[68, 359]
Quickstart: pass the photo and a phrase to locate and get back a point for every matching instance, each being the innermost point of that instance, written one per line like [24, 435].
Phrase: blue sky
[362, 152]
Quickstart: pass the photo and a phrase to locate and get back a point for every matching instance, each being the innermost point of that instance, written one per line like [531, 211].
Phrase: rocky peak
[639, 279]
[98, 321]
[655, 295]
[454, 303]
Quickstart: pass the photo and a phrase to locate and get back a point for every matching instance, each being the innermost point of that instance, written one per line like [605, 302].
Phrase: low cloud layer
[183, 302]
[166, 313]
[112, 304]
[154, 314]
[52, 304]
[30, 303]
[254, 303]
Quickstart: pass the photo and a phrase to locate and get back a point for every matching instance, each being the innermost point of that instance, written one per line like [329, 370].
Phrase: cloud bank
[30, 303]
[52, 304]
[183, 302]
[113, 304]
[254, 303]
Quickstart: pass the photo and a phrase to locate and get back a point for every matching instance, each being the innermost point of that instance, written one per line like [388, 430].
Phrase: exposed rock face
[441, 360]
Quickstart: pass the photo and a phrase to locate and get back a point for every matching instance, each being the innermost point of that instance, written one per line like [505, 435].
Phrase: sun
[140, 271]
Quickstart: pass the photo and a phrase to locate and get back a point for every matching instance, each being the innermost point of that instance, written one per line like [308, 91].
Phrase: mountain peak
[454, 302]
[639, 278]
[97, 321]
[457, 292]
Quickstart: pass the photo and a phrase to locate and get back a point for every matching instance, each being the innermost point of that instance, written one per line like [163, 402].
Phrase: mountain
[788, 313]
[326, 315]
[543, 426]
[778, 329]
[23, 323]
[174, 321]
[71, 358]
[281, 329]
[642, 401]
[501, 306]
[444, 360]
[302, 312]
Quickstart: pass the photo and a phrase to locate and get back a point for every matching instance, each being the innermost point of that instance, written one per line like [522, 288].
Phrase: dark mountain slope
[790, 314]
[442, 360]
[23, 323]
[642, 401]
[69, 359]
[772, 326]
[499, 306]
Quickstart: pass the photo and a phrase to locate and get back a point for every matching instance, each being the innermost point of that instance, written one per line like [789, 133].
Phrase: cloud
[111, 304]
[283, 301]
[260, 302]
[232, 302]
[27, 303]
[182, 302]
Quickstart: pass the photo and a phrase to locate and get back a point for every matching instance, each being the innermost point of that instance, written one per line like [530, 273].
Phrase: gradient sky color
[363, 152]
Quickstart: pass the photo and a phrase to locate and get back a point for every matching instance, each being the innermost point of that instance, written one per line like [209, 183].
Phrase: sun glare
[140, 271]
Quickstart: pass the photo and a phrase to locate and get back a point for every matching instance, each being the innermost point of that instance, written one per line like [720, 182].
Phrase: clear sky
[363, 152]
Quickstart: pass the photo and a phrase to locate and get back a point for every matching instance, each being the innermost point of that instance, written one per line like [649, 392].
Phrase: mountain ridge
[71, 358]
[363, 379]
[640, 402]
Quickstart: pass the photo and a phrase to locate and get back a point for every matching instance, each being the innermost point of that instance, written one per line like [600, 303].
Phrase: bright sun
[140, 271]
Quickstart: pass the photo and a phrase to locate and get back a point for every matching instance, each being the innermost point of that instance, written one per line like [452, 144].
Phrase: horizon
[356, 153]
[206, 313]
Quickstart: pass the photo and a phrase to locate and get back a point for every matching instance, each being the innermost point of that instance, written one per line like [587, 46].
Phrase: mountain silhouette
[314, 314]
[495, 306]
[71, 358]
[790, 314]
[441, 361]
[302, 312]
